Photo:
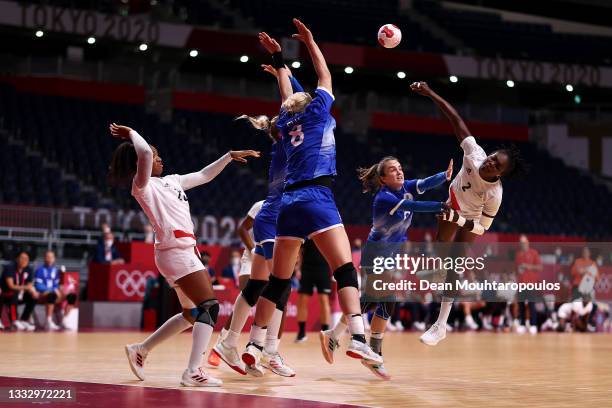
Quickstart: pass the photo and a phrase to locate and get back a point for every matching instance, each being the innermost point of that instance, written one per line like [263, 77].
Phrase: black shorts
[315, 277]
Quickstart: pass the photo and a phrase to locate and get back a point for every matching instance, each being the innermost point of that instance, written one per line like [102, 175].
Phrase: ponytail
[262, 122]
[370, 176]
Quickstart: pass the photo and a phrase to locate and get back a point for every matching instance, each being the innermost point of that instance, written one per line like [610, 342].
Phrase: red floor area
[116, 396]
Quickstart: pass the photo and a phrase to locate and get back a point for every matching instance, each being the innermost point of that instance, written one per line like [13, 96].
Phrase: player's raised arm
[144, 164]
[295, 85]
[211, 171]
[318, 61]
[282, 73]
[459, 126]
[435, 180]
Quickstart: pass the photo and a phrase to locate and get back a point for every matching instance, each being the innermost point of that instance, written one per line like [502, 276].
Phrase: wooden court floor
[465, 370]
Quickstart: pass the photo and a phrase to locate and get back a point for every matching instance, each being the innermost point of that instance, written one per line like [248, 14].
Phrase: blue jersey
[308, 139]
[46, 278]
[276, 180]
[390, 223]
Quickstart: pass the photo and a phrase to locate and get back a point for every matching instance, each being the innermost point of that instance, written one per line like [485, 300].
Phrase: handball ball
[389, 36]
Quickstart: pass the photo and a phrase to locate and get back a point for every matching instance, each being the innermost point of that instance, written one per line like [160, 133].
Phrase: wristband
[277, 60]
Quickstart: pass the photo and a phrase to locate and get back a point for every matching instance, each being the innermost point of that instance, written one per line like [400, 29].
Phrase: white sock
[241, 313]
[202, 333]
[272, 333]
[171, 327]
[356, 325]
[223, 333]
[445, 309]
[258, 335]
[231, 338]
[338, 329]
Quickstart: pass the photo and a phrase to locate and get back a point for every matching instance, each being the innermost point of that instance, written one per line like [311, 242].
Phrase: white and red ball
[389, 36]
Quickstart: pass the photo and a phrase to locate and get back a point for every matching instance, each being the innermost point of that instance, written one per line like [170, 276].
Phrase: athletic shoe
[18, 325]
[1, 325]
[275, 363]
[520, 329]
[486, 324]
[51, 326]
[419, 326]
[449, 328]
[533, 330]
[434, 335]
[302, 339]
[399, 326]
[470, 323]
[251, 358]
[357, 349]
[378, 369]
[328, 345]
[199, 378]
[391, 327]
[136, 355]
[229, 355]
[27, 326]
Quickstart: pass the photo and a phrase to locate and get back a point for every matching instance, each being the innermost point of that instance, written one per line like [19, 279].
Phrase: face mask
[108, 243]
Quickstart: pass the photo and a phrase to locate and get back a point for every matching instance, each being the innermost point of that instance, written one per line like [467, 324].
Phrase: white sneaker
[328, 345]
[51, 326]
[399, 326]
[27, 326]
[533, 330]
[18, 325]
[434, 335]
[357, 349]
[136, 355]
[420, 326]
[520, 329]
[230, 356]
[252, 358]
[378, 369]
[199, 378]
[486, 324]
[449, 328]
[391, 327]
[275, 363]
[470, 323]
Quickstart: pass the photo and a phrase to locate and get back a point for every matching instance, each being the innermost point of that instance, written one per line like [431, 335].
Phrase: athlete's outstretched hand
[304, 33]
[269, 43]
[271, 70]
[421, 88]
[449, 170]
[239, 155]
[119, 131]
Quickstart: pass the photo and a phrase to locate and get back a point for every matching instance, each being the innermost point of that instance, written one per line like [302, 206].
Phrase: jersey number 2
[297, 136]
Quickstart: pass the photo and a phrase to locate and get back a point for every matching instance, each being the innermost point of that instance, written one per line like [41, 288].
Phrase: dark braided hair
[517, 166]
[123, 165]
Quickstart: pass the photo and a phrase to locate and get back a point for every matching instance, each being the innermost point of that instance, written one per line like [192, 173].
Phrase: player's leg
[286, 251]
[242, 282]
[51, 300]
[335, 248]
[325, 310]
[305, 292]
[384, 311]
[198, 289]
[271, 359]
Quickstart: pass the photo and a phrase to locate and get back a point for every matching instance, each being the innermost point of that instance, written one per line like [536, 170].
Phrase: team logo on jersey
[408, 196]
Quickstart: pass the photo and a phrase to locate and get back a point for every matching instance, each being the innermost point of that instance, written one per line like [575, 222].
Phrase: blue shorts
[264, 233]
[307, 212]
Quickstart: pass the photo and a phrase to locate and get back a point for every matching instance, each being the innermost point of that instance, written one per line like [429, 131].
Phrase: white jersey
[165, 203]
[253, 211]
[468, 192]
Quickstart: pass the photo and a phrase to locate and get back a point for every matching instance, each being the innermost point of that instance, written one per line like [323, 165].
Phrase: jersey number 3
[297, 136]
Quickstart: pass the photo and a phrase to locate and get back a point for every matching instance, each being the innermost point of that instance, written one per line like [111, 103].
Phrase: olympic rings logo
[134, 282]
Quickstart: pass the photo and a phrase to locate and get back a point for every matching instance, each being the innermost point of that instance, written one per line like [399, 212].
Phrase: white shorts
[174, 263]
[245, 263]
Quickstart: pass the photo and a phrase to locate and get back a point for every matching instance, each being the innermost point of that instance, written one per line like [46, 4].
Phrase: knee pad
[51, 298]
[252, 290]
[276, 288]
[346, 275]
[384, 310]
[282, 302]
[71, 298]
[208, 312]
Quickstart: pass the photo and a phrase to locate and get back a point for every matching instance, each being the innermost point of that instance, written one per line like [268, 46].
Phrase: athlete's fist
[239, 155]
[421, 88]
[450, 215]
[269, 43]
[449, 170]
[122, 132]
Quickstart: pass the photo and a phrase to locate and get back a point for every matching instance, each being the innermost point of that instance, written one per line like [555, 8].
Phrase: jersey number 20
[297, 136]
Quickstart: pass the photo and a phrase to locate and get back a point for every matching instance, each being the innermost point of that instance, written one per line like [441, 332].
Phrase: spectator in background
[528, 267]
[17, 288]
[149, 236]
[106, 252]
[104, 227]
[232, 271]
[584, 275]
[205, 257]
[46, 283]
